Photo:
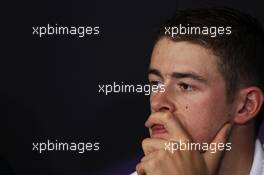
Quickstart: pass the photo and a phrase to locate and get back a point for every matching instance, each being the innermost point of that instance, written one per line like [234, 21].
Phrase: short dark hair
[240, 53]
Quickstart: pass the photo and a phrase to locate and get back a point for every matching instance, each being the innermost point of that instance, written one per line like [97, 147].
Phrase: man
[209, 62]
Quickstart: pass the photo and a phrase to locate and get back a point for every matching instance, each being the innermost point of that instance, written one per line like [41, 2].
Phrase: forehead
[182, 56]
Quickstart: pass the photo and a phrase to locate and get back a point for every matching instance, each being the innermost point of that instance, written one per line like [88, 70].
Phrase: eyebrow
[179, 75]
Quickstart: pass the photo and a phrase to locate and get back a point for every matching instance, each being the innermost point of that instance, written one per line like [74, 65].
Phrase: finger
[140, 169]
[150, 162]
[212, 159]
[171, 124]
[152, 144]
[150, 156]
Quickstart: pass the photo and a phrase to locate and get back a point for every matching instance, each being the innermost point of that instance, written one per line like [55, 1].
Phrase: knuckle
[161, 154]
[152, 164]
[144, 143]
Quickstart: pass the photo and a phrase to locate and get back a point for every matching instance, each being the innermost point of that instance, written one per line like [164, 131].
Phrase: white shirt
[258, 162]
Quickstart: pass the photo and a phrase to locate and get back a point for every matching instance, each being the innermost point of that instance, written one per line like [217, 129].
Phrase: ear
[249, 103]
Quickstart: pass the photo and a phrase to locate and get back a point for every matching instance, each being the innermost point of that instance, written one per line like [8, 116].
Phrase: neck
[239, 159]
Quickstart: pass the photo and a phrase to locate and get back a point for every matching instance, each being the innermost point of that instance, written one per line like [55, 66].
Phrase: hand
[158, 161]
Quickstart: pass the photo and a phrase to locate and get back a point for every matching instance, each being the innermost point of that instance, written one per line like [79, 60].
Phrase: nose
[162, 101]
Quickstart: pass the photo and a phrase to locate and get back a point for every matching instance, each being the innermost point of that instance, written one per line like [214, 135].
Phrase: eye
[155, 82]
[186, 87]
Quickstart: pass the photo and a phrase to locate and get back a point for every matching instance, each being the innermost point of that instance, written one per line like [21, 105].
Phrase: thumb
[212, 159]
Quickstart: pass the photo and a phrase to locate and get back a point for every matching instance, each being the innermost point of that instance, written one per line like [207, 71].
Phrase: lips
[158, 129]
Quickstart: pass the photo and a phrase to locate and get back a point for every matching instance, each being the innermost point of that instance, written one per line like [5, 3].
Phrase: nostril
[164, 109]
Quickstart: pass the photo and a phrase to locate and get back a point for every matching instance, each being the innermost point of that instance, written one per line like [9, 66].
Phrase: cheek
[204, 118]
[198, 122]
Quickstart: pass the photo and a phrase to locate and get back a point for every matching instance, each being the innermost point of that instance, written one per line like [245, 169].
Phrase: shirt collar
[258, 162]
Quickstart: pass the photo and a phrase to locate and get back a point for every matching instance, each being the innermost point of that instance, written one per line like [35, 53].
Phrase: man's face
[195, 90]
